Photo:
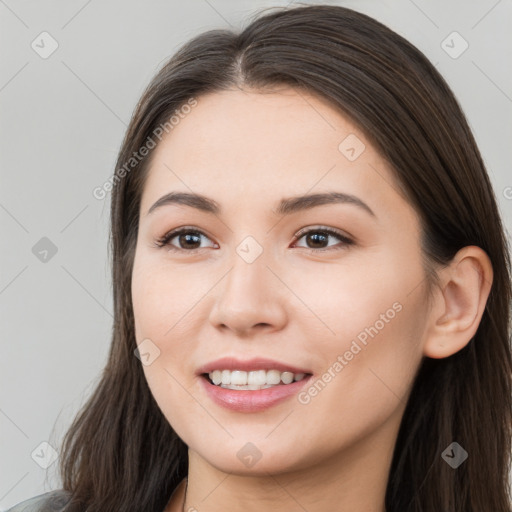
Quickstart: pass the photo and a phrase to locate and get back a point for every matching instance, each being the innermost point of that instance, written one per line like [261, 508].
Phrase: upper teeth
[257, 378]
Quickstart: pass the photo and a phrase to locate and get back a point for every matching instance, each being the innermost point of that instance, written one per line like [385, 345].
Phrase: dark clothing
[53, 501]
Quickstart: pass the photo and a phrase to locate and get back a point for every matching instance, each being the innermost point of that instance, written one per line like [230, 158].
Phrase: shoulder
[52, 501]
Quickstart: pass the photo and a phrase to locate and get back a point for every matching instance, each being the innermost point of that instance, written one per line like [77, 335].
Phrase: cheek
[378, 318]
[365, 292]
[159, 305]
[370, 366]
[161, 297]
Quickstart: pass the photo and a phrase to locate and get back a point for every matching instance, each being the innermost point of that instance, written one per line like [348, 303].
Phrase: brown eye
[317, 238]
[189, 240]
[186, 240]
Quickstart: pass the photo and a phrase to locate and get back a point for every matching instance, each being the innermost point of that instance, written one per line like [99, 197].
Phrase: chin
[252, 455]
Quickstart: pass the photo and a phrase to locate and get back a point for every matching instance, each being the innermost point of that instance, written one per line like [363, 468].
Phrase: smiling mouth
[260, 379]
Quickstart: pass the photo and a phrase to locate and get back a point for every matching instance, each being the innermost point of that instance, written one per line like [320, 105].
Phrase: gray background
[62, 122]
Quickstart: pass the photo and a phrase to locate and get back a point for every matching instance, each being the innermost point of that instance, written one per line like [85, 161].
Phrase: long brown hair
[121, 453]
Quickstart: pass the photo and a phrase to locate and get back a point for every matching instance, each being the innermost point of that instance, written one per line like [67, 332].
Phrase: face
[335, 288]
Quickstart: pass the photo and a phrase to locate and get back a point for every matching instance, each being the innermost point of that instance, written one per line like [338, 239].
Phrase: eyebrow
[286, 206]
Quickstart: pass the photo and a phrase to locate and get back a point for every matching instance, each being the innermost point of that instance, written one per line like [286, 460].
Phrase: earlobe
[459, 303]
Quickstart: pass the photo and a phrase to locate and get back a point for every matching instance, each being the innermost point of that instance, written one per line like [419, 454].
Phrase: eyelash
[165, 240]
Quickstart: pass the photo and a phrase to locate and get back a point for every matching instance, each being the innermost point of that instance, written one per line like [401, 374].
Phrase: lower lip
[252, 401]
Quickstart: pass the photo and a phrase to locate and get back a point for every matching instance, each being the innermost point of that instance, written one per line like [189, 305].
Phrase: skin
[248, 150]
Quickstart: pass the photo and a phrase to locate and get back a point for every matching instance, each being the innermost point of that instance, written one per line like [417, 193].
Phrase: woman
[336, 336]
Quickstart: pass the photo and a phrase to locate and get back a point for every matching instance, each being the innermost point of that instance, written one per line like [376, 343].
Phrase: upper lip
[259, 363]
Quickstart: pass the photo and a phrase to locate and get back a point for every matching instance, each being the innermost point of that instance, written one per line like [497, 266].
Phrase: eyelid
[321, 228]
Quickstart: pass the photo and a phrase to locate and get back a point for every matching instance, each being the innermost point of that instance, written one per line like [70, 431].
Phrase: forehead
[265, 145]
[239, 123]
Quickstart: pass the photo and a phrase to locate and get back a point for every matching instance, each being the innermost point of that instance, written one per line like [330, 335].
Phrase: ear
[459, 302]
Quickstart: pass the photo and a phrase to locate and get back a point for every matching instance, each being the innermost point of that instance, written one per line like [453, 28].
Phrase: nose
[249, 300]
